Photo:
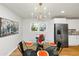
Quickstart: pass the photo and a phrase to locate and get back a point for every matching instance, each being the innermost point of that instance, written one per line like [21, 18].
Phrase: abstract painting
[8, 27]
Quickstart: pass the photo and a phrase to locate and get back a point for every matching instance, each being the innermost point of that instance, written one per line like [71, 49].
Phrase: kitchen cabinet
[77, 39]
[72, 40]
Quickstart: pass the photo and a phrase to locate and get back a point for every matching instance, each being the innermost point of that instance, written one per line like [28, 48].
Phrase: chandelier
[41, 12]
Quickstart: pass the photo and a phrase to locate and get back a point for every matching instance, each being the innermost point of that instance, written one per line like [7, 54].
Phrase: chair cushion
[29, 43]
[51, 43]
[52, 50]
[30, 52]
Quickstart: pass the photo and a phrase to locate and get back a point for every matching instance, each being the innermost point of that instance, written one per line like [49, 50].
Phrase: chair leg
[60, 50]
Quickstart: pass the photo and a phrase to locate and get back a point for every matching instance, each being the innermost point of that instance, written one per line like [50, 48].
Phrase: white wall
[8, 43]
[30, 35]
[49, 33]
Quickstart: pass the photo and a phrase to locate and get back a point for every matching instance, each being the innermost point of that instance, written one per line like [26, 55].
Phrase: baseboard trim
[12, 51]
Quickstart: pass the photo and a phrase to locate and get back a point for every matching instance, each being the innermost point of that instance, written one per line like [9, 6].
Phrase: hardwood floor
[70, 51]
[16, 53]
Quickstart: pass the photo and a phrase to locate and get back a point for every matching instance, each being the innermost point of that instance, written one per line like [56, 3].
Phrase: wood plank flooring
[70, 51]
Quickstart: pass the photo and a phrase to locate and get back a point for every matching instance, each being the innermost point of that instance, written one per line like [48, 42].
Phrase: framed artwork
[38, 27]
[8, 27]
[42, 27]
[34, 27]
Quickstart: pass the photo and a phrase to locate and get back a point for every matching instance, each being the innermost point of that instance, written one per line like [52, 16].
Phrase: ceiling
[25, 10]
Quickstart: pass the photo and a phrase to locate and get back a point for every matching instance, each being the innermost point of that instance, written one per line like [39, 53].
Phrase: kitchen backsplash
[73, 32]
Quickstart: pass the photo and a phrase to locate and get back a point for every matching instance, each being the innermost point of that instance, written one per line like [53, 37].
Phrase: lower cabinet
[73, 40]
[77, 40]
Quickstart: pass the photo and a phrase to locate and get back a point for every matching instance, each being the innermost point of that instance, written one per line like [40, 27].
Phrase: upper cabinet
[73, 24]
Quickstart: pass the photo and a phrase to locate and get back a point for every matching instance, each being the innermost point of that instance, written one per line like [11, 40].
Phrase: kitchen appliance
[61, 34]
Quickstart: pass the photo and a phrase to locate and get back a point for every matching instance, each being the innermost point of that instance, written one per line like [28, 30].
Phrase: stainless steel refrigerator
[61, 34]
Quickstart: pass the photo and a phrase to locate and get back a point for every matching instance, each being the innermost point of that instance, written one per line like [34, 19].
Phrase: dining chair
[20, 47]
[51, 43]
[54, 50]
[29, 43]
[59, 47]
[26, 52]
